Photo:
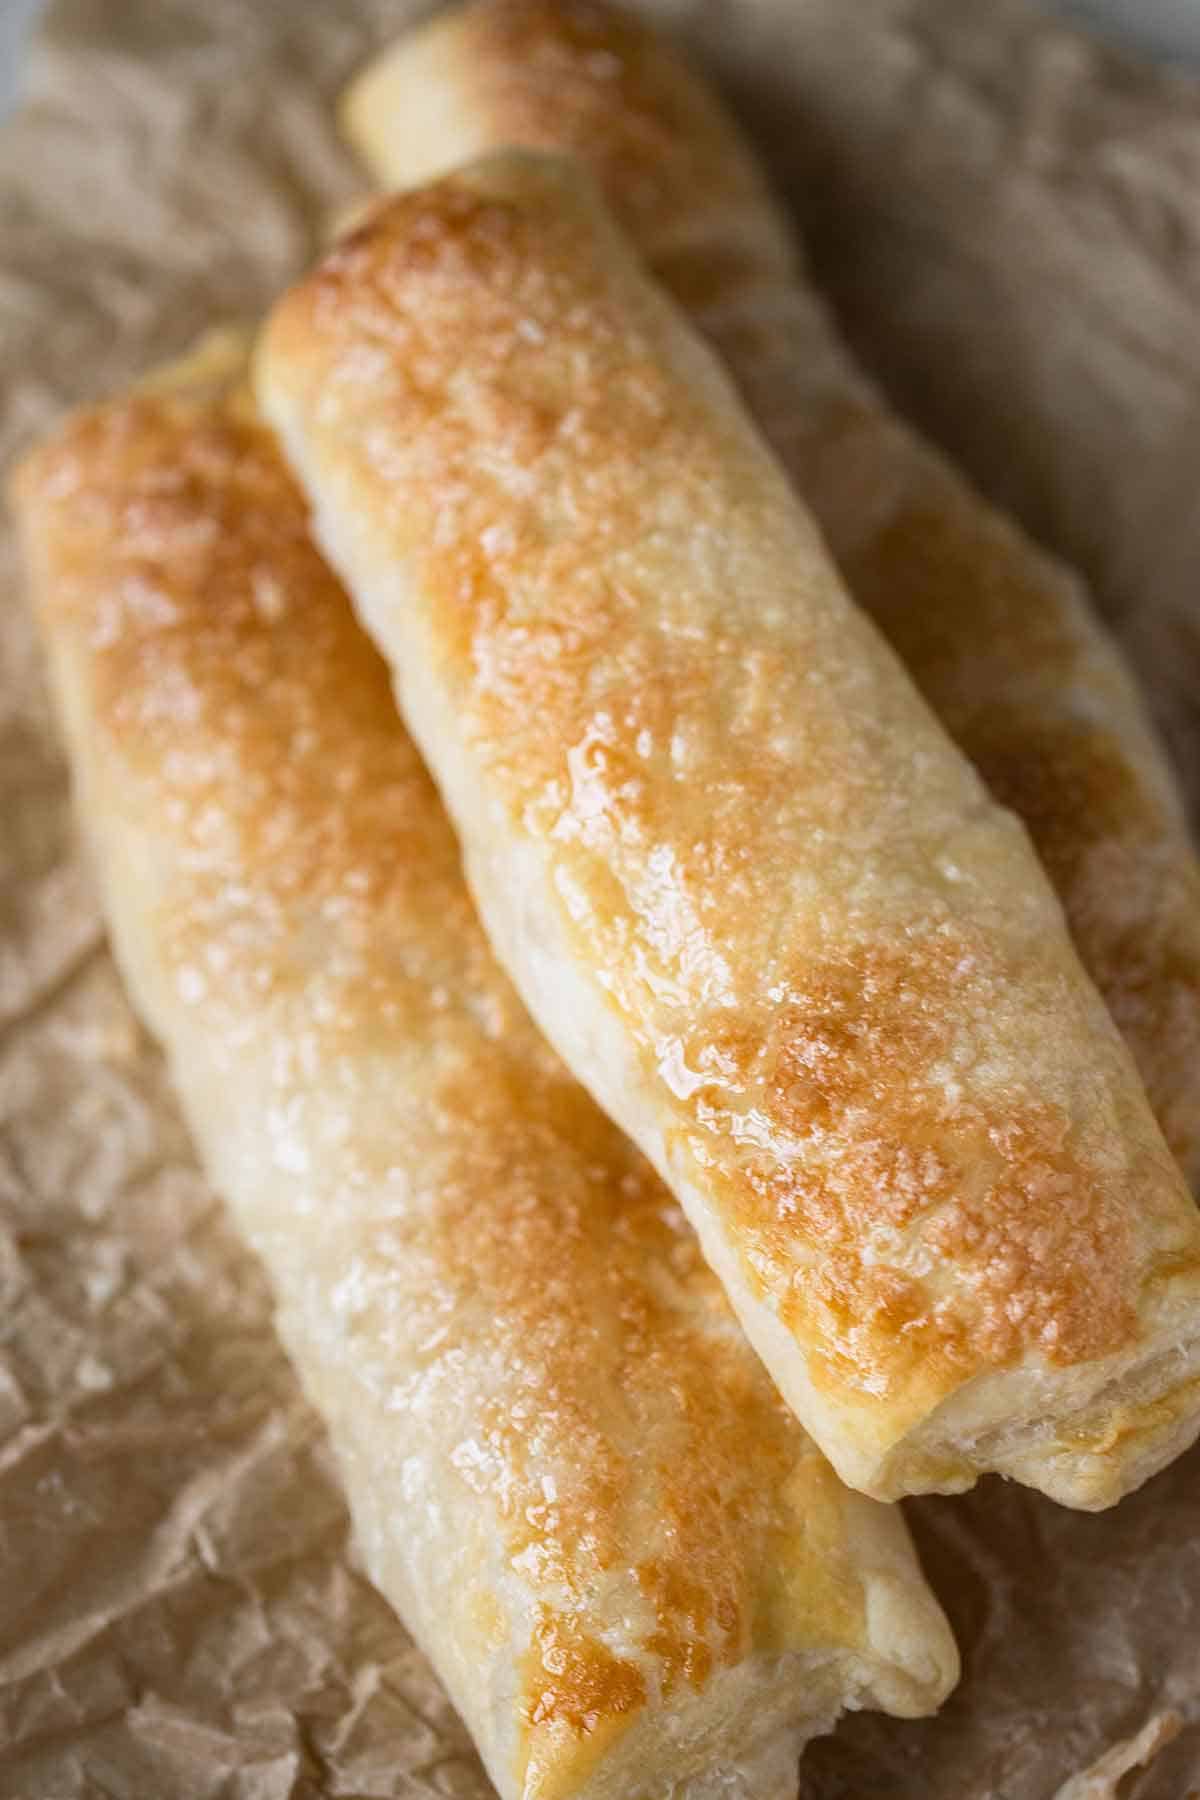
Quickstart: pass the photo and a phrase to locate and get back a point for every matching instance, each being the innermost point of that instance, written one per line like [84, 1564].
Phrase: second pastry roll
[568, 1471]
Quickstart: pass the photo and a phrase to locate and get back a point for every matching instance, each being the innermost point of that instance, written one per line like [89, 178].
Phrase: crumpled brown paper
[180, 1613]
[1007, 215]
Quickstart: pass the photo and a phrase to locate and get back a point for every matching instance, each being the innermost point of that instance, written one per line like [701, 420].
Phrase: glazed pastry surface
[747, 886]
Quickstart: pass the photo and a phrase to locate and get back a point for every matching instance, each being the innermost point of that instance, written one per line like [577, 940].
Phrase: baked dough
[749, 889]
[569, 1472]
[998, 637]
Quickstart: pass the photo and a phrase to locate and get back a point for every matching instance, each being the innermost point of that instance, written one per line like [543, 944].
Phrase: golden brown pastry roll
[568, 1470]
[998, 637]
[758, 900]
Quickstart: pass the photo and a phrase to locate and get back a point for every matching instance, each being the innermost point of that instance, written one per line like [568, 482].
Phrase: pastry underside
[750, 890]
[569, 1473]
[999, 638]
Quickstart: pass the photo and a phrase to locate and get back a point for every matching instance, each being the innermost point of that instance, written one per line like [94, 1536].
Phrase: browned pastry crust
[746, 884]
[998, 637]
[569, 1472]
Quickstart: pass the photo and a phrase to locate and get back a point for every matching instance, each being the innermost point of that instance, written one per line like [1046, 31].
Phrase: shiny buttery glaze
[861, 1035]
[997, 637]
[481, 1281]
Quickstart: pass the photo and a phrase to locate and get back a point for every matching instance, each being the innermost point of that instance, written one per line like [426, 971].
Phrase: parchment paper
[180, 1615]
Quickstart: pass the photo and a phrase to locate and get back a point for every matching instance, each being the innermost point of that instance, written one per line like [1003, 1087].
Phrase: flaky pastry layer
[998, 637]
